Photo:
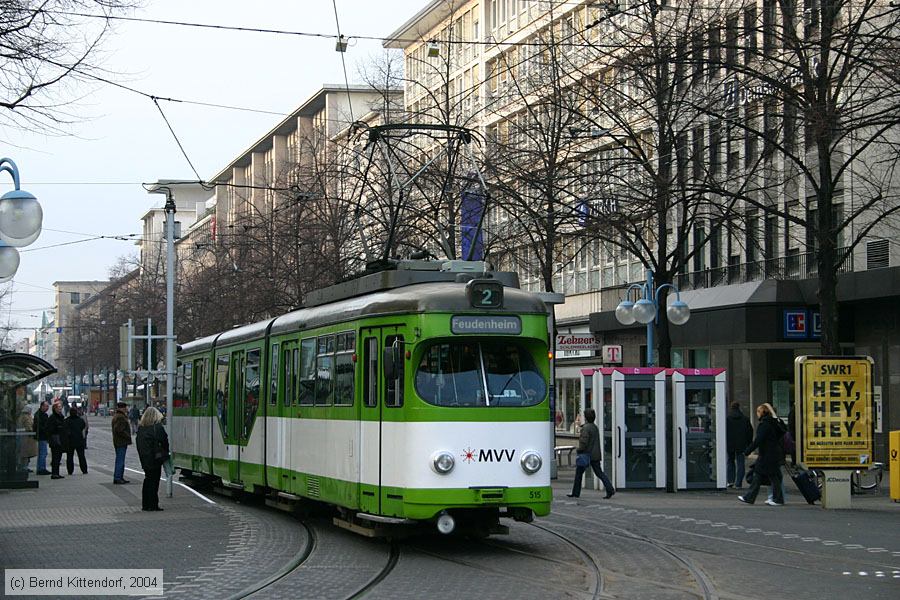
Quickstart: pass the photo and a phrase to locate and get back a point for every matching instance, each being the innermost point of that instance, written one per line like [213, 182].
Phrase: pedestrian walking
[121, 434]
[153, 450]
[56, 432]
[43, 439]
[134, 415]
[29, 446]
[770, 455]
[589, 453]
[76, 432]
[738, 435]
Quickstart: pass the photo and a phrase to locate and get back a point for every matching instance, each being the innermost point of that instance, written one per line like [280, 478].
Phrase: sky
[88, 182]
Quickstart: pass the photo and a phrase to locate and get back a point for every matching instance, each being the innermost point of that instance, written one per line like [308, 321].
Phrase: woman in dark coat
[770, 456]
[76, 433]
[153, 450]
[56, 435]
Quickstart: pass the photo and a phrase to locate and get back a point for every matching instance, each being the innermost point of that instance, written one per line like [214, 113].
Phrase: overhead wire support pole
[170, 327]
[169, 209]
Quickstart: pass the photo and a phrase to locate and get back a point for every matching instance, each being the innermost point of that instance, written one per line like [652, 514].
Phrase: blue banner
[471, 209]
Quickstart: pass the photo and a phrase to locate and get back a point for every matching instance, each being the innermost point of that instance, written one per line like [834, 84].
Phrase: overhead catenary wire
[383, 39]
[340, 38]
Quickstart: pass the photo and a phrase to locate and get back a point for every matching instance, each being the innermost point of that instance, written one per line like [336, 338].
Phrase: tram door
[382, 392]
[235, 412]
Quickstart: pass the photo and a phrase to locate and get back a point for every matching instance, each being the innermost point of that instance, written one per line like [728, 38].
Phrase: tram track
[292, 575]
[258, 588]
[705, 587]
[597, 592]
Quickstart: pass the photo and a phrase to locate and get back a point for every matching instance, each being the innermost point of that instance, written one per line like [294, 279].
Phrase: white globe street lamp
[625, 312]
[645, 310]
[21, 214]
[21, 217]
[9, 262]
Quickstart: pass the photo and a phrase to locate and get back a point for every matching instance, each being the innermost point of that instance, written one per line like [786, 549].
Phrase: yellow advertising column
[835, 425]
[894, 465]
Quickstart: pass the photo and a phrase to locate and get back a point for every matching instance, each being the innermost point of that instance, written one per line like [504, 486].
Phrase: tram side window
[288, 377]
[307, 373]
[197, 384]
[187, 386]
[178, 392]
[222, 367]
[273, 369]
[394, 385]
[370, 377]
[344, 370]
[251, 390]
[204, 384]
[325, 370]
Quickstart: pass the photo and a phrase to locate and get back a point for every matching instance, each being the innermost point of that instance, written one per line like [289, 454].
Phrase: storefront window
[568, 393]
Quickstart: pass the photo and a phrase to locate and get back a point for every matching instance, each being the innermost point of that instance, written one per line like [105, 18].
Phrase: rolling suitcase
[806, 483]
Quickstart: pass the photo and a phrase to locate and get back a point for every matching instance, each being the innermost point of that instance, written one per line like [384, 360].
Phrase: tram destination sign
[833, 397]
[475, 324]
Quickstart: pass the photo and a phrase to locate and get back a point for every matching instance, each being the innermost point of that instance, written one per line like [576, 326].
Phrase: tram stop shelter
[17, 371]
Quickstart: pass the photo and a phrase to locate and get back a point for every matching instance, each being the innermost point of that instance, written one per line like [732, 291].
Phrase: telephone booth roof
[626, 370]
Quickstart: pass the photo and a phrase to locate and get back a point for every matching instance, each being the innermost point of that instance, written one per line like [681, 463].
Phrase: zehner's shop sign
[576, 342]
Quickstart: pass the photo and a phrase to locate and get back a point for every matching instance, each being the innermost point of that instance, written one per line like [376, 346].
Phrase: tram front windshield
[479, 373]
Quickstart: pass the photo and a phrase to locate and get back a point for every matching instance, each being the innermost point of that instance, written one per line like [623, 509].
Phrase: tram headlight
[531, 462]
[442, 462]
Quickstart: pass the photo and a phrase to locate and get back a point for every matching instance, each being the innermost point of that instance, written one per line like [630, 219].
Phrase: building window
[74, 298]
[749, 33]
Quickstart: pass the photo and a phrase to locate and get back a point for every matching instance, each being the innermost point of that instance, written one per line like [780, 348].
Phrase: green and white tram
[403, 397]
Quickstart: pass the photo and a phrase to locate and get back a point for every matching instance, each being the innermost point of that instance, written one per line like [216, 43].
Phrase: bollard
[836, 491]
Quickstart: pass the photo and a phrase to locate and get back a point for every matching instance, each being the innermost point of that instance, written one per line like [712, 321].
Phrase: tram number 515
[535, 494]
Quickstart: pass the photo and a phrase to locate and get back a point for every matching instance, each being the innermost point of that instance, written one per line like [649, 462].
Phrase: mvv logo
[488, 455]
[494, 455]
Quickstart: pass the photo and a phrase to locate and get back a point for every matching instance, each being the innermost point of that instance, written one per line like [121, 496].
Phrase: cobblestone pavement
[645, 544]
[85, 521]
[669, 544]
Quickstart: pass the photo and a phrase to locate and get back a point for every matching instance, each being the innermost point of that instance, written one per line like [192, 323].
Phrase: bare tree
[48, 52]
[815, 89]
[654, 155]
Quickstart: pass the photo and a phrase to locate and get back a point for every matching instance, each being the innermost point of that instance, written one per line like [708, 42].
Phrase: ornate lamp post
[20, 222]
[645, 311]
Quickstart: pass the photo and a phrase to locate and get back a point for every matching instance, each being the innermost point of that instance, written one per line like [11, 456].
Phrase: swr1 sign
[834, 401]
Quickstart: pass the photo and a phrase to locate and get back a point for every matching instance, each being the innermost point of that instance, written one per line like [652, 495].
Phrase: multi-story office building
[751, 279]
[68, 297]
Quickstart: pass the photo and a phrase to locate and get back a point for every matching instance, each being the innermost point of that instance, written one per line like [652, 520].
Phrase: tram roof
[199, 345]
[420, 298]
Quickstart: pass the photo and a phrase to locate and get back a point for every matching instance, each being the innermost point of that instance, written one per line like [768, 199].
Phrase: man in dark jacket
[76, 432]
[770, 456]
[121, 434]
[589, 445]
[40, 428]
[56, 434]
[738, 435]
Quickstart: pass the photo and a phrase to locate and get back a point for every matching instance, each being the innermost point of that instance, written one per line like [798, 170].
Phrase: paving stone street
[637, 545]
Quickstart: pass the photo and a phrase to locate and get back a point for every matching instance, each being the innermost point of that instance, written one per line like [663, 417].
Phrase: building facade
[745, 257]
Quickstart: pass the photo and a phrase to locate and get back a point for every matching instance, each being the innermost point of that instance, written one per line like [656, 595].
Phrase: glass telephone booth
[639, 439]
[699, 396]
